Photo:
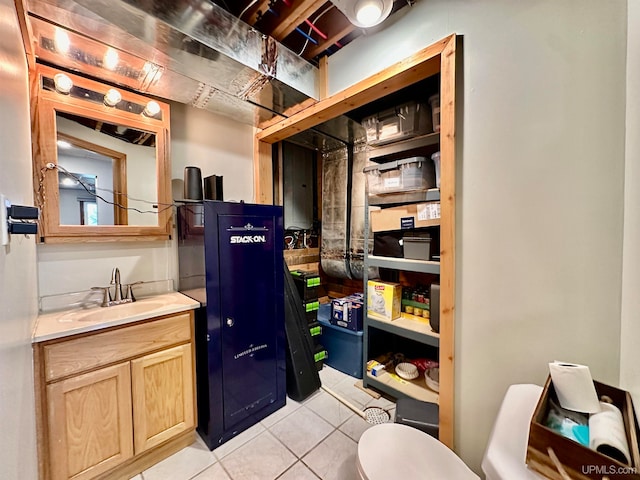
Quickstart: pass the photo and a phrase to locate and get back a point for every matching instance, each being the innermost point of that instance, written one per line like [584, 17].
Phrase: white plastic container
[399, 176]
[434, 102]
[398, 123]
[436, 163]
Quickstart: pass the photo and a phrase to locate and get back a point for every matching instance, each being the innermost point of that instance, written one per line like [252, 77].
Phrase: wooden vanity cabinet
[112, 403]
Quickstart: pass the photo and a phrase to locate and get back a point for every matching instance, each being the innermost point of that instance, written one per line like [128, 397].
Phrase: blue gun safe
[240, 337]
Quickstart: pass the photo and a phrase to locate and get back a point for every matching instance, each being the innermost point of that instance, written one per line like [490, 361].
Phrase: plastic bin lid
[406, 161]
[393, 165]
[382, 167]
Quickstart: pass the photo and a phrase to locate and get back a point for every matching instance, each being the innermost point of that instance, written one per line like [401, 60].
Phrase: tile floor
[311, 440]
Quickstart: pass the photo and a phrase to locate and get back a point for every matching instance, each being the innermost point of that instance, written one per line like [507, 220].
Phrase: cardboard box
[383, 300]
[416, 215]
[347, 313]
[580, 462]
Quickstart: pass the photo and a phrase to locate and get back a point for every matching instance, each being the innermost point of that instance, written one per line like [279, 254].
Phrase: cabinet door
[251, 303]
[162, 386]
[90, 423]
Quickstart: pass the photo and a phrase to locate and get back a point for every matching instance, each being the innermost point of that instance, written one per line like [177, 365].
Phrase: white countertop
[63, 323]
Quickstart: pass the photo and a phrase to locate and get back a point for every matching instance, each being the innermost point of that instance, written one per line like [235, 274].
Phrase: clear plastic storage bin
[398, 123]
[415, 173]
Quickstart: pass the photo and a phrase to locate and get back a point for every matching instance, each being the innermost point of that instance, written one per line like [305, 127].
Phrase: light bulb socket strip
[66, 84]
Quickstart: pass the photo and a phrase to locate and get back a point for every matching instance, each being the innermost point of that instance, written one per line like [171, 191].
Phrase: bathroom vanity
[115, 387]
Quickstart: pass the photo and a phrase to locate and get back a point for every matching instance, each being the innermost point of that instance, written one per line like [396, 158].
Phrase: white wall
[217, 145]
[18, 295]
[540, 187]
[630, 325]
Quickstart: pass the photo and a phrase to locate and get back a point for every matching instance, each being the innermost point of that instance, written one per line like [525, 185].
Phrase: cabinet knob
[230, 322]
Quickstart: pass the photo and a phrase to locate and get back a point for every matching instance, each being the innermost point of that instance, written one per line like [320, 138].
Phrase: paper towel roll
[574, 386]
[607, 434]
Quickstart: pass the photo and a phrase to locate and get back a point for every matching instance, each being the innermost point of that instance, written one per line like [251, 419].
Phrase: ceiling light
[110, 59]
[365, 13]
[63, 83]
[369, 12]
[152, 109]
[112, 97]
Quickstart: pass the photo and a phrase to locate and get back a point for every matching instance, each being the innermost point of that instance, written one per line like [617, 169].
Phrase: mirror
[111, 158]
[102, 171]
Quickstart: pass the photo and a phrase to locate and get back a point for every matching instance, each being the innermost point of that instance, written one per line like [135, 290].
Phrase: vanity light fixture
[63, 83]
[152, 109]
[365, 13]
[112, 97]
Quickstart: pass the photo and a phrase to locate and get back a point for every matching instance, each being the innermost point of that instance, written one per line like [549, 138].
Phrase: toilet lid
[393, 450]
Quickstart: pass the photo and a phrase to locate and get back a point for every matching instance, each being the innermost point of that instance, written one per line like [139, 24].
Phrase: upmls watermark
[608, 470]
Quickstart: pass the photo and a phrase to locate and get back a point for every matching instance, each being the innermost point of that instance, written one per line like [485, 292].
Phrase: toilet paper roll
[607, 434]
[574, 386]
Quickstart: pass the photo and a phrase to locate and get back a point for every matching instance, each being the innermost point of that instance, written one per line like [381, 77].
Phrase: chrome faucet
[115, 280]
[117, 298]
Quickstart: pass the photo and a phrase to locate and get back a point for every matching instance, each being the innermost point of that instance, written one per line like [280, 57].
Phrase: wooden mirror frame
[44, 105]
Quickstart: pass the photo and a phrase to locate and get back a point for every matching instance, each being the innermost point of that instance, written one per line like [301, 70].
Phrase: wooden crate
[580, 462]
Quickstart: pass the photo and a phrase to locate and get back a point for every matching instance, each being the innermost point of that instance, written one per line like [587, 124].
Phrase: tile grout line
[307, 452]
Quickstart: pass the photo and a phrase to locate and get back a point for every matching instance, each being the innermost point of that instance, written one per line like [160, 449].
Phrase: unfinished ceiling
[199, 53]
[310, 28]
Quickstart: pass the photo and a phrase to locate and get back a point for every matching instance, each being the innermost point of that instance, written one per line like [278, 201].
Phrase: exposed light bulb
[63, 83]
[61, 41]
[368, 12]
[110, 59]
[365, 13]
[152, 109]
[112, 97]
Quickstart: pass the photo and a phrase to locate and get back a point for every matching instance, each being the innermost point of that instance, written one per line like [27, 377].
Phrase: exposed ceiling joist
[339, 29]
[293, 16]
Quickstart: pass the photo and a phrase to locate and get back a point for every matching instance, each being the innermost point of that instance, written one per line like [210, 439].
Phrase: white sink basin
[54, 325]
[102, 314]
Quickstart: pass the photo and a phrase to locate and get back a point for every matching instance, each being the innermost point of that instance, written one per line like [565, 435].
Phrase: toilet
[394, 450]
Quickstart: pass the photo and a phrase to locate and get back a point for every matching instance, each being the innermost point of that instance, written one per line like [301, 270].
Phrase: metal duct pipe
[200, 53]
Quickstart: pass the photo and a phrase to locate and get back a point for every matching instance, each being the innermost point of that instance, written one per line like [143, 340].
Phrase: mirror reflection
[107, 173]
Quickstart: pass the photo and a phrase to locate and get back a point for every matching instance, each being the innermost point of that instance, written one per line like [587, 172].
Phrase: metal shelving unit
[405, 326]
[420, 266]
[402, 147]
[399, 388]
[411, 329]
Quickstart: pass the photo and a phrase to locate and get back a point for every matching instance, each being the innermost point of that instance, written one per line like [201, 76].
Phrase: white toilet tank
[504, 458]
